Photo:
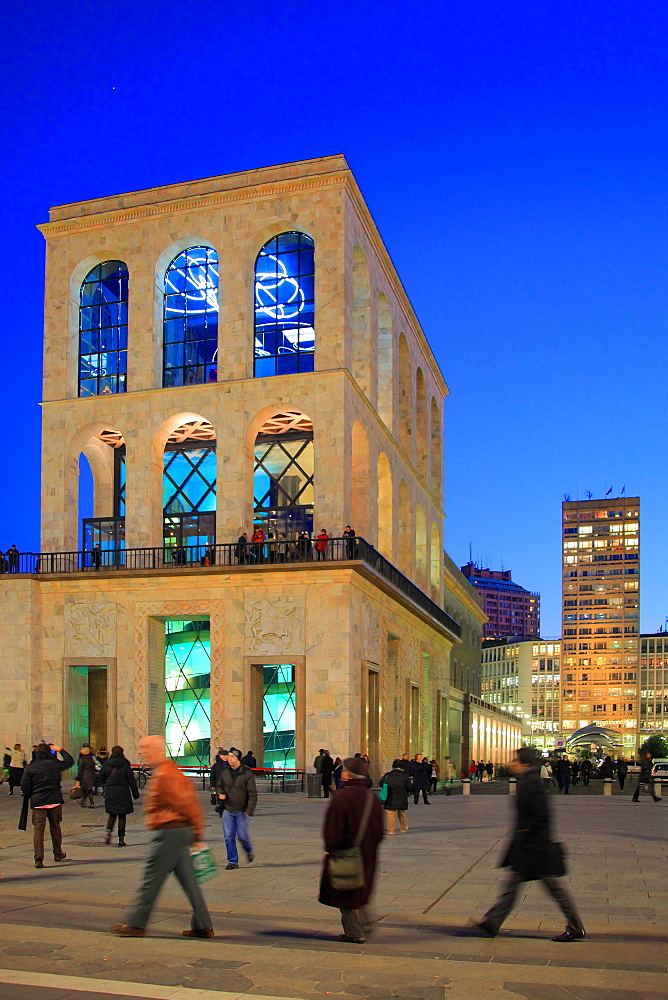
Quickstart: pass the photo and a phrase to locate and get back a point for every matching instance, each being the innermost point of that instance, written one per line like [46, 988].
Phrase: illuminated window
[103, 330]
[284, 306]
[190, 318]
[187, 692]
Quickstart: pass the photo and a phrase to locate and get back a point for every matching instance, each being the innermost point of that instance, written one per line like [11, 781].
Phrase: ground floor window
[188, 691]
[278, 715]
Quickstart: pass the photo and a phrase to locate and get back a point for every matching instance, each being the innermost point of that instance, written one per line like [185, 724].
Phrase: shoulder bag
[346, 868]
[384, 789]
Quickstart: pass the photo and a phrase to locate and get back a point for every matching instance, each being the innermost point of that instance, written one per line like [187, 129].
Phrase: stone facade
[375, 400]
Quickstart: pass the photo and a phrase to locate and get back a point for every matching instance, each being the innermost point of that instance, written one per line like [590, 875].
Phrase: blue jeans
[236, 825]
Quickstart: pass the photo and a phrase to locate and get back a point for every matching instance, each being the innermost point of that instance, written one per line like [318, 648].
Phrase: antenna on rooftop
[589, 494]
[567, 496]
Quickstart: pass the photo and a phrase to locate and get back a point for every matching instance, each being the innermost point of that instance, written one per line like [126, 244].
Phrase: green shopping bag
[204, 863]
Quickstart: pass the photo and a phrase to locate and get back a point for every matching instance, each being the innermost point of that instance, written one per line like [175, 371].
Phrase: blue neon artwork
[284, 306]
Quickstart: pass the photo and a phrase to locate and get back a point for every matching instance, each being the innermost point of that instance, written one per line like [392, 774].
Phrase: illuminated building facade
[653, 684]
[601, 616]
[510, 609]
[219, 355]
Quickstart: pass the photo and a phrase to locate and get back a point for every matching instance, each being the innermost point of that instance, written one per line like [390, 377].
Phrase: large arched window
[284, 306]
[283, 474]
[103, 329]
[190, 340]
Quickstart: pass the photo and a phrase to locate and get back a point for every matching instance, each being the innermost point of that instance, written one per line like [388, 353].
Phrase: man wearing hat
[343, 819]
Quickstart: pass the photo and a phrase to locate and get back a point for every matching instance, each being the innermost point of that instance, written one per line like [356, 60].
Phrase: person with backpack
[395, 786]
[120, 788]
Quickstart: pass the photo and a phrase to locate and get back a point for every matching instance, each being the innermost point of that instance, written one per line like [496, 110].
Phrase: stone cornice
[198, 203]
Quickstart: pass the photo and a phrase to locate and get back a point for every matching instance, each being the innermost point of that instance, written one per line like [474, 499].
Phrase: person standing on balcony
[257, 541]
[321, 545]
[13, 555]
[237, 793]
[349, 535]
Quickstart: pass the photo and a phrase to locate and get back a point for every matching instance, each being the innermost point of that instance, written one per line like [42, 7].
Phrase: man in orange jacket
[172, 810]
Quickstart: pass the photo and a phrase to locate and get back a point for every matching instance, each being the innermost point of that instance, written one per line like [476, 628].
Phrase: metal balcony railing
[273, 553]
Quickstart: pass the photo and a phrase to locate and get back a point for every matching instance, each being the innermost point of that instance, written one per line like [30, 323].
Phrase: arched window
[284, 306]
[190, 326]
[103, 329]
[283, 474]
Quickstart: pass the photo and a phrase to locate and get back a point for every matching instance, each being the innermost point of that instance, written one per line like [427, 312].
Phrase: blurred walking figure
[337, 772]
[40, 786]
[120, 788]
[564, 775]
[87, 776]
[327, 770]
[435, 772]
[354, 817]
[532, 854]
[17, 762]
[489, 768]
[645, 778]
[450, 770]
[396, 801]
[172, 810]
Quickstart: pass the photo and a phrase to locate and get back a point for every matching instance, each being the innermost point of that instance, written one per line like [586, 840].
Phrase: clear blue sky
[514, 156]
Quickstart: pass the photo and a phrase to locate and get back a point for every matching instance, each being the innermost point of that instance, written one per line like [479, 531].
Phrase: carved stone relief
[274, 626]
[90, 629]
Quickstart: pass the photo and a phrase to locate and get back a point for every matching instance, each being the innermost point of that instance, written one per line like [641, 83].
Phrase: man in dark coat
[237, 794]
[532, 855]
[585, 770]
[40, 785]
[420, 776]
[622, 771]
[645, 778]
[396, 801]
[406, 764]
[342, 822]
[564, 775]
[327, 771]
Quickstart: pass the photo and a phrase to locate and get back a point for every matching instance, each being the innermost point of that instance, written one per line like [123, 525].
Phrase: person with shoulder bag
[352, 831]
[395, 786]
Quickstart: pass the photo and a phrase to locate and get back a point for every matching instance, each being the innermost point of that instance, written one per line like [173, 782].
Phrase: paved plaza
[275, 940]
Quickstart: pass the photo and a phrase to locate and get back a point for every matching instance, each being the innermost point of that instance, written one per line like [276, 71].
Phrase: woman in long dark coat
[120, 788]
[399, 785]
[342, 822]
[87, 776]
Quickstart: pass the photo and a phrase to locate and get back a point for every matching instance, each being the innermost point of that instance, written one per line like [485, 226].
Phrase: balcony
[287, 554]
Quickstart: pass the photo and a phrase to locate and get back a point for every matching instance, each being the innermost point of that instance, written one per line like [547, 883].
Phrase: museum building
[224, 355]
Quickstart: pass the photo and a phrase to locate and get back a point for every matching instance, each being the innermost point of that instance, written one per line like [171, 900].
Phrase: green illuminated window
[188, 691]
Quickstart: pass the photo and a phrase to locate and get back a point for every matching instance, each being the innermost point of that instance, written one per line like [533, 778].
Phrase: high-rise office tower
[511, 609]
[601, 615]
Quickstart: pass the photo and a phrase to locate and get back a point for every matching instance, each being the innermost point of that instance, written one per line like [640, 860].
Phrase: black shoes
[127, 930]
[60, 857]
[570, 935]
[351, 940]
[39, 863]
[251, 857]
[482, 927]
[230, 867]
[202, 932]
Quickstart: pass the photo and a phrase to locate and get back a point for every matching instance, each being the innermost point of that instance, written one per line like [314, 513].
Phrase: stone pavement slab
[275, 939]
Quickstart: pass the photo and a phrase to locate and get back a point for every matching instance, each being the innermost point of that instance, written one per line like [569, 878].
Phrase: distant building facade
[511, 609]
[653, 684]
[601, 615]
[523, 677]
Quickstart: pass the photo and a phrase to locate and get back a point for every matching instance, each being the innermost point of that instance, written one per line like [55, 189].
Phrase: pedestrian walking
[489, 768]
[480, 770]
[622, 771]
[406, 764]
[173, 812]
[16, 765]
[645, 778]
[249, 760]
[120, 788]
[219, 763]
[86, 776]
[545, 776]
[420, 776]
[575, 772]
[473, 770]
[42, 793]
[585, 770]
[435, 773]
[337, 772]
[606, 768]
[327, 770]
[237, 793]
[532, 854]
[354, 818]
[564, 775]
[450, 770]
[396, 798]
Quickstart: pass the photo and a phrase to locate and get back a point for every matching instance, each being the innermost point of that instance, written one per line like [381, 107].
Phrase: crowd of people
[352, 831]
